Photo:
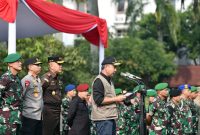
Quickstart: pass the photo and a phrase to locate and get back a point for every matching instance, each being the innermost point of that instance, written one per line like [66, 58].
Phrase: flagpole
[101, 54]
[12, 38]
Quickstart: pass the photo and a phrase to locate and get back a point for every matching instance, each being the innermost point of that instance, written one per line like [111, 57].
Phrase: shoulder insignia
[27, 83]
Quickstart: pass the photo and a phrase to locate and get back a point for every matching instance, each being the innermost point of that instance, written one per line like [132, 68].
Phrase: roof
[186, 75]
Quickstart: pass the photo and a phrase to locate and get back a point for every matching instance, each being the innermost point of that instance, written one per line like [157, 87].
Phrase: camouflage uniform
[128, 121]
[194, 110]
[10, 103]
[65, 107]
[174, 127]
[160, 116]
[186, 117]
[92, 124]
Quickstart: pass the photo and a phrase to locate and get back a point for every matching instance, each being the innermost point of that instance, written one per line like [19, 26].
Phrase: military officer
[10, 96]
[32, 99]
[173, 106]
[185, 110]
[70, 90]
[159, 113]
[194, 109]
[52, 87]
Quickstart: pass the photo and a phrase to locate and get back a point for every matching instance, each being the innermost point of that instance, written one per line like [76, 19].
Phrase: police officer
[52, 87]
[10, 96]
[32, 99]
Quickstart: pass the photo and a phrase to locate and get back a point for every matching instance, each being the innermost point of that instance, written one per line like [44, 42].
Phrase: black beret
[174, 92]
[56, 59]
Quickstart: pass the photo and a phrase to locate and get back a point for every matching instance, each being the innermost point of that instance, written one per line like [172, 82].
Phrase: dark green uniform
[10, 103]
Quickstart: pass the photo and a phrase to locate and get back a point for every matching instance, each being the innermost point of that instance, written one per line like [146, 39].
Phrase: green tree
[190, 34]
[145, 58]
[43, 47]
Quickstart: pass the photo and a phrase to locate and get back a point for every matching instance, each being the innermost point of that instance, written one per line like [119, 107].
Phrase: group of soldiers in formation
[35, 106]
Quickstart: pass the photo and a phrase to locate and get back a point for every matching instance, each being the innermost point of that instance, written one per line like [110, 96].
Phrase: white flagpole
[101, 54]
[12, 38]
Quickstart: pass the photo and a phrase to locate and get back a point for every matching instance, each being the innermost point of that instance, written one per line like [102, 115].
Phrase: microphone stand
[143, 129]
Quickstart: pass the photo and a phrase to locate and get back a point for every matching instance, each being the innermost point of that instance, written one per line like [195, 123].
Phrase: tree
[145, 58]
[190, 34]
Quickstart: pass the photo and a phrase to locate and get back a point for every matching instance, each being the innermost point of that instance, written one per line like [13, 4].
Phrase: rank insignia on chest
[53, 93]
[36, 92]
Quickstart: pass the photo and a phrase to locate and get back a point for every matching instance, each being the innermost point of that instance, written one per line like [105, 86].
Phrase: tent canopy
[39, 17]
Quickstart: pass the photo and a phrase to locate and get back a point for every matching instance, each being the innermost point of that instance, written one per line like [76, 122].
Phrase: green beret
[118, 91]
[151, 93]
[161, 86]
[193, 89]
[90, 91]
[13, 57]
[137, 88]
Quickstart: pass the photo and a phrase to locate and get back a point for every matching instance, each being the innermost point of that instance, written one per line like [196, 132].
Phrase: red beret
[82, 87]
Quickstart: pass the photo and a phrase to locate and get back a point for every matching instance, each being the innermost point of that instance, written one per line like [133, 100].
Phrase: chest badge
[53, 93]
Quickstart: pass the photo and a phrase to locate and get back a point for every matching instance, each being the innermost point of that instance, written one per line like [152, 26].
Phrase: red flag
[8, 10]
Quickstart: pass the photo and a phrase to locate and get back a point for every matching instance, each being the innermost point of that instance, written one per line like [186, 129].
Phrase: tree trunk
[93, 9]
[160, 34]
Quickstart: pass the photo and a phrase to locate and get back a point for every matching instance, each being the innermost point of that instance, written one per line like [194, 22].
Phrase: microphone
[134, 76]
[129, 75]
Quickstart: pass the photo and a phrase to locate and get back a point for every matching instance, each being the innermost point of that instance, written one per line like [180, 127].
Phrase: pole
[101, 54]
[12, 38]
[143, 130]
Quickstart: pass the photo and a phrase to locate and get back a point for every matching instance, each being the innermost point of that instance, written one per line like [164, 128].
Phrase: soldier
[70, 93]
[194, 109]
[197, 103]
[32, 99]
[10, 96]
[151, 95]
[159, 113]
[173, 106]
[52, 87]
[186, 114]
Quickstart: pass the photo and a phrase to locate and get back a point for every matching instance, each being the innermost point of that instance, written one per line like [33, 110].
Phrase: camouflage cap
[118, 91]
[161, 86]
[193, 89]
[13, 57]
[151, 93]
[137, 88]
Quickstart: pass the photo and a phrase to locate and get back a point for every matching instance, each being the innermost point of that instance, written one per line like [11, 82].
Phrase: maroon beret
[82, 87]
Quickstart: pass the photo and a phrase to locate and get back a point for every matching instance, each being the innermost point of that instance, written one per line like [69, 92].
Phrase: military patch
[27, 83]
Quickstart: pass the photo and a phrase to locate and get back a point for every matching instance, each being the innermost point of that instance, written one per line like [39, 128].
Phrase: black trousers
[31, 126]
[51, 120]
